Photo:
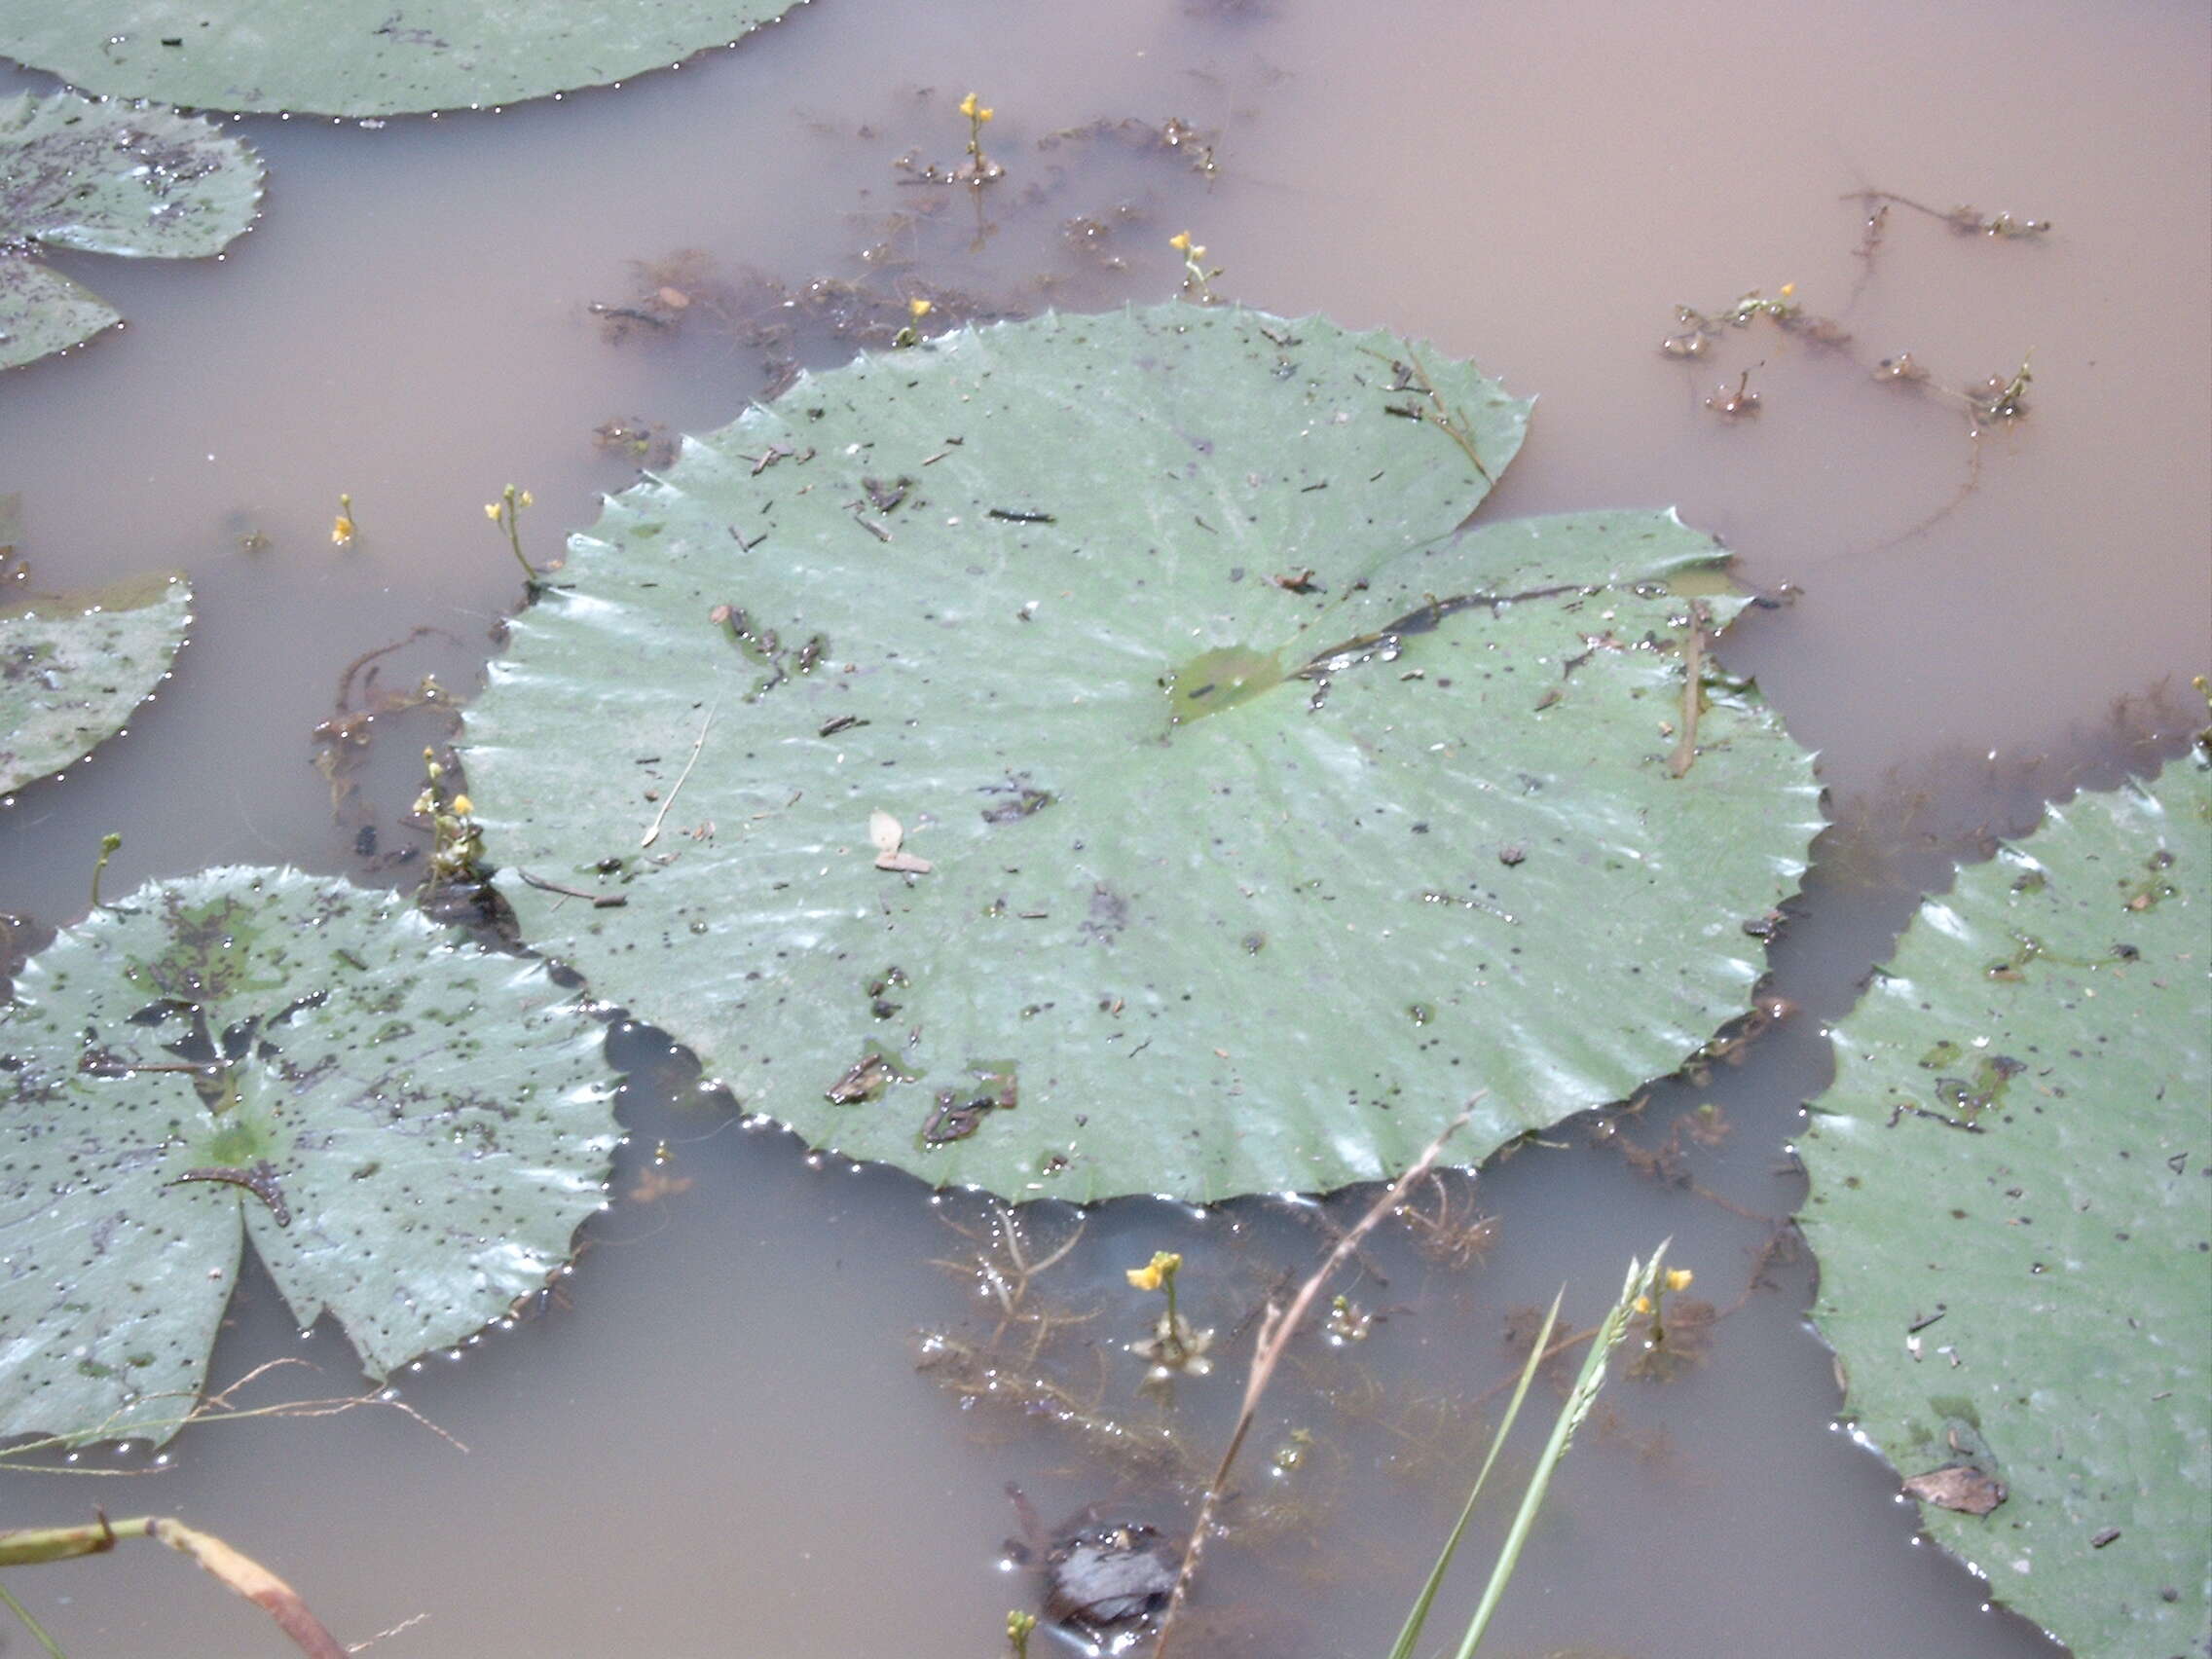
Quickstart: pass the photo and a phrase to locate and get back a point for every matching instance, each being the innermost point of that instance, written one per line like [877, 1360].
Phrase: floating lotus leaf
[105, 177]
[1079, 757]
[364, 56]
[2011, 1200]
[73, 665]
[408, 1127]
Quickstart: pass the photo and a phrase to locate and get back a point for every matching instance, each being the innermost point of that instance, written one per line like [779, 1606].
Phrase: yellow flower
[1180, 242]
[919, 308]
[525, 500]
[1643, 1304]
[1679, 1278]
[1789, 290]
[968, 107]
[1156, 1272]
[342, 531]
[463, 806]
[491, 512]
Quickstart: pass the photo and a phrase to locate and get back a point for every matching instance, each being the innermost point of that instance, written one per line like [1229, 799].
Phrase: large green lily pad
[409, 1129]
[2012, 1202]
[73, 665]
[1266, 819]
[364, 56]
[105, 177]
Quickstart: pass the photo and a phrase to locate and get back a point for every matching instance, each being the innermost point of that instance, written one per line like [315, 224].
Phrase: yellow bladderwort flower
[1681, 1278]
[978, 168]
[1196, 275]
[463, 806]
[1160, 1270]
[1643, 1304]
[1789, 290]
[491, 512]
[916, 308]
[342, 527]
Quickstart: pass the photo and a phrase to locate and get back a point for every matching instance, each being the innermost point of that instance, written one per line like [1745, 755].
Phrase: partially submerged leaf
[364, 56]
[1239, 885]
[73, 665]
[2011, 1200]
[105, 177]
[408, 1127]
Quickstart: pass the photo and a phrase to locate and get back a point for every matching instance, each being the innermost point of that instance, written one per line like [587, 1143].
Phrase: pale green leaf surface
[364, 57]
[2012, 1202]
[435, 1121]
[105, 177]
[73, 667]
[1271, 947]
[42, 311]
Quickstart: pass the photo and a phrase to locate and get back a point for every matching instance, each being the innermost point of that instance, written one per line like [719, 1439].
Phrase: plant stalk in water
[507, 512]
[1644, 1280]
[108, 843]
[30, 1545]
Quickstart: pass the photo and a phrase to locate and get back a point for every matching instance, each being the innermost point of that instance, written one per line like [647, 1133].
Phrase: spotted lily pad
[73, 665]
[1077, 757]
[102, 176]
[407, 1126]
[2011, 1200]
[364, 56]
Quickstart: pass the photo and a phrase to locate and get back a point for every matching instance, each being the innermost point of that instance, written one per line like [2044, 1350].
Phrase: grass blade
[1411, 1633]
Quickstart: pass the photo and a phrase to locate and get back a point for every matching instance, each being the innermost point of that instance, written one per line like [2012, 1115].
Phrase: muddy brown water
[713, 1438]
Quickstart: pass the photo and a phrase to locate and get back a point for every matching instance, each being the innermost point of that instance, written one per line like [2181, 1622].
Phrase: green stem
[37, 1630]
[108, 843]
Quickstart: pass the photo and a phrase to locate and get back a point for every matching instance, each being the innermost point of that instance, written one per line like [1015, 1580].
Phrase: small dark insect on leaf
[2110, 1535]
[1297, 582]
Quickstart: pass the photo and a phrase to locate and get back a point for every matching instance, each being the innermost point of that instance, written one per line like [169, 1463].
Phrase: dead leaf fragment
[1966, 1489]
[884, 833]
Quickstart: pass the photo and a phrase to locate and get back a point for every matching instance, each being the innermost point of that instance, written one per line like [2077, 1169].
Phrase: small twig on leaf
[698, 743]
[1693, 692]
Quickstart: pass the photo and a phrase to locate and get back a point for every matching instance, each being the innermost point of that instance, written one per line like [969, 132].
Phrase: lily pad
[1077, 757]
[364, 57]
[2012, 1202]
[105, 177]
[409, 1129]
[73, 665]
